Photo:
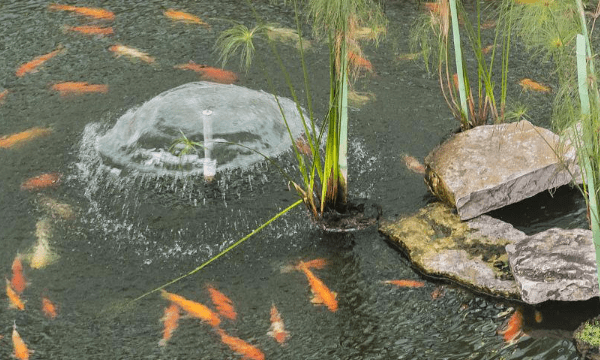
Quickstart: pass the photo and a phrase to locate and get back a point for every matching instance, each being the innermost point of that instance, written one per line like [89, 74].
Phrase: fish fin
[317, 299]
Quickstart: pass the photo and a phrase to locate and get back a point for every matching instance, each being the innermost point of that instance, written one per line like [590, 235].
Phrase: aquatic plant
[342, 23]
[431, 36]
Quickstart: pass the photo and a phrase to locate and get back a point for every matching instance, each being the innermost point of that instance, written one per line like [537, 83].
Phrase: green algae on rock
[587, 339]
[471, 253]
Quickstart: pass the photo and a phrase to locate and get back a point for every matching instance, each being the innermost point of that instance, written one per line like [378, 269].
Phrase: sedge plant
[557, 30]
[432, 36]
[341, 23]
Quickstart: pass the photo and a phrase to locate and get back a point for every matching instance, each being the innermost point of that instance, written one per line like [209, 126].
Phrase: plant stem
[222, 252]
[459, 65]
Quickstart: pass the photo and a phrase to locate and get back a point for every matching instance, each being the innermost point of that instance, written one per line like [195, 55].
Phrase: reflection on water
[128, 232]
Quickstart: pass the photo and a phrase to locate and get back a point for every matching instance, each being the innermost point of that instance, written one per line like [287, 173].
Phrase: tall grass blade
[222, 252]
[459, 65]
[591, 178]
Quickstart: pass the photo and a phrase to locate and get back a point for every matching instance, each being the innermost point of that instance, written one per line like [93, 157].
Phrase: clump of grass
[472, 101]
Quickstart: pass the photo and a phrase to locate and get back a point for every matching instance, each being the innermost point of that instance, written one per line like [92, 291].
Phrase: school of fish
[42, 255]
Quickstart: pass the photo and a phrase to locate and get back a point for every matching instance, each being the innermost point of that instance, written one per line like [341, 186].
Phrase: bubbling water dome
[217, 116]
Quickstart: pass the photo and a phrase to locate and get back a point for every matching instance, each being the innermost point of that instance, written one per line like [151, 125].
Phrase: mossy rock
[587, 339]
[471, 253]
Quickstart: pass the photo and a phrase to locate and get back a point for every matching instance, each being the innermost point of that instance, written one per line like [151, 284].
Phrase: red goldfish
[528, 84]
[223, 304]
[170, 321]
[41, 182]
[193, 308]
[96, 13]
[21, 351]
[32, 65]
[241, 347]
[184, 17]
[277, 330]
[90, 30]
[210, 73]
[405, 283]
[17, 139]
[513, 328]
[17, 282]
[78, 88]
[322, 294]
[131, 53]
[48, 308]
[13, 298]
[413, 164]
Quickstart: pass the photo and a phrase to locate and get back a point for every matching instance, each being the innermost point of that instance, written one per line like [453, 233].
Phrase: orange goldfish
[529, 84]
[13, 297]
[96, 13]
[302, 145]
[322, 294]
[358, 62]
[48, 308]
[184, 17]
[78, 88]
[513, 328]
[241, 347]
[277, 330]
[131, 53]
[223, 304]
[437, 293]
[405, 283]
[210, 73]
[486, 50]
[41, 182]
[32, 65]
[170, 320]
[17, 282]
[193, 308]
[413, 164]
[538, 316]
[455, 81]
[21, 351]
[3, 95]
[17, 139]
[90, 30]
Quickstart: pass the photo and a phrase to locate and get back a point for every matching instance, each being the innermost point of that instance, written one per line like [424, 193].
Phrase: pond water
[132, 232]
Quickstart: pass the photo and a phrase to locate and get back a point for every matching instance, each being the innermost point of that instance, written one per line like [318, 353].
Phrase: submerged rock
[555, 264]
[471, 253]
[492, 166]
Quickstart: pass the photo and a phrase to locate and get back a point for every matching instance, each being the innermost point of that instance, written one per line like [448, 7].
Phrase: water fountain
[219, 116]
[134, 182]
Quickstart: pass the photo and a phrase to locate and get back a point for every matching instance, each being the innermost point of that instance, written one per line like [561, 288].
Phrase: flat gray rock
[555, 264]
[471, 253]
[491, 166]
